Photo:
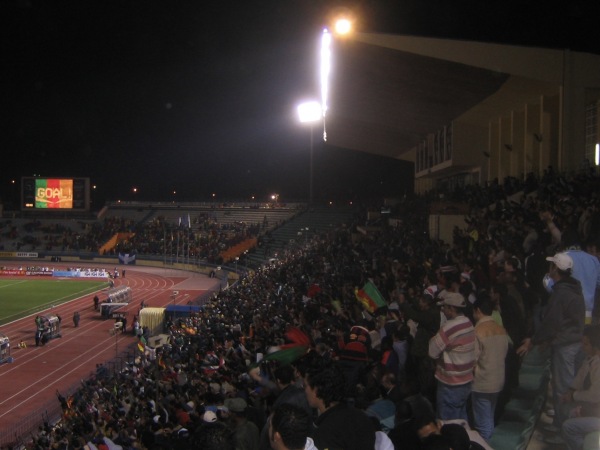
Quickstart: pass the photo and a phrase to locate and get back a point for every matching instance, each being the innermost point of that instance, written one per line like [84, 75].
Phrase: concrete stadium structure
[464, 112]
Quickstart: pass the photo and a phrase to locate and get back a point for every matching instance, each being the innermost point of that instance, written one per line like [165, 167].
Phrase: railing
[50, 413]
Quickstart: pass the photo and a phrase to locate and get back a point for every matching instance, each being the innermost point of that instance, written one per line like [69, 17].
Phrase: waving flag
[370, 297]
[297, 337]
[287, 355]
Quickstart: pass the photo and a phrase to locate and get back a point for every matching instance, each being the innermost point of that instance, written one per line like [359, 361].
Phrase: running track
[31, 381]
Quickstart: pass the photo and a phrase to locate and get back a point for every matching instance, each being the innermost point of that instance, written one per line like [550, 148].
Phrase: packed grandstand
[297, 304]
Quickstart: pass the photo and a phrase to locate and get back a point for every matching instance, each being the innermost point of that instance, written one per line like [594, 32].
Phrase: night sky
[199, 97]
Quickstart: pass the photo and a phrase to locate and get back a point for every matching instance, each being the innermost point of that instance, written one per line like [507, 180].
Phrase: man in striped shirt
[453, 349]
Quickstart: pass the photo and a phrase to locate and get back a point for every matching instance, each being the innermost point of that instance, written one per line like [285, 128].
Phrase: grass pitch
[23, 297]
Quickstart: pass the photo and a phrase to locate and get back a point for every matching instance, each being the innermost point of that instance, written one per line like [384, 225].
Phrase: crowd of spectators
[204, 241]
[291, 341]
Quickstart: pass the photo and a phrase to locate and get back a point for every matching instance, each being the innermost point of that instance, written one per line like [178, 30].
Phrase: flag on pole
[142, 344]
[370, 297]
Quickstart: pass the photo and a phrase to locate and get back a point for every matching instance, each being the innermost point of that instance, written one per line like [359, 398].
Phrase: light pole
[310, 112]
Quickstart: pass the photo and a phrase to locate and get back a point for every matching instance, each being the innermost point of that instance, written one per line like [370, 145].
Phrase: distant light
[309, 111]
[597, 154]
[343, 26]
[325, 69]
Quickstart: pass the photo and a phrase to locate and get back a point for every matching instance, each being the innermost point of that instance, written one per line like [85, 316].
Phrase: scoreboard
[55, 193]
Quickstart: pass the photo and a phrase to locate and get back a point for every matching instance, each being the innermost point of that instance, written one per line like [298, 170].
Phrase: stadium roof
[388, 92]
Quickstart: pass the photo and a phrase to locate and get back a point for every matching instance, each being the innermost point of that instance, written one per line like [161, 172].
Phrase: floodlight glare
[325, 69]
[309, 111]
[343, 26]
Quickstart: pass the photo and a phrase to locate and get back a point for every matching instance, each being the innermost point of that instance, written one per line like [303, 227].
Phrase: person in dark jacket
[427, 315]
[338, 425]
[562, 326]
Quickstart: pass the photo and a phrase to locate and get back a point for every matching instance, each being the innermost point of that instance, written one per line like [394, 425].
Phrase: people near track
[76, 319]
[212, 354]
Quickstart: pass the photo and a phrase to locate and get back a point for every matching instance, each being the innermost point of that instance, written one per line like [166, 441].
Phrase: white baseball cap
[561, 260]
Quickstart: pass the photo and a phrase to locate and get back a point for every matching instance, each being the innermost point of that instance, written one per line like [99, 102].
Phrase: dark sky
[199, 96]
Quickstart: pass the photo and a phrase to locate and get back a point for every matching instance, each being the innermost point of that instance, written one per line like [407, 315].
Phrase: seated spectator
[580, 405]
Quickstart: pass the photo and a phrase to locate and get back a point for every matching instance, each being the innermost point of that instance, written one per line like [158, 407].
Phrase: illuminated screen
[55, 193]
[52, 193]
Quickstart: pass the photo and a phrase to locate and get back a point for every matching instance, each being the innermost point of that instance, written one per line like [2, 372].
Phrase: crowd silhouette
[222, 375]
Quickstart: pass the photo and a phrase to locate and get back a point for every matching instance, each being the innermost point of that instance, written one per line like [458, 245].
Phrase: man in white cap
[453, 349]
[561, 328]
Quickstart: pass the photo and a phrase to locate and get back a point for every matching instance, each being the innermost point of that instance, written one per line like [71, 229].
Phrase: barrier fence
[50, 413]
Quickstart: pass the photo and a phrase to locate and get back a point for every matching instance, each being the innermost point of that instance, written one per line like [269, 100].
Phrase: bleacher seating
[297, 231]
[521, 413]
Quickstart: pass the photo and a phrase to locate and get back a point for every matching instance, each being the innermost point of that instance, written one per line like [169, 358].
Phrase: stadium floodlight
[310, 112]
[343, 26]
[325, 69]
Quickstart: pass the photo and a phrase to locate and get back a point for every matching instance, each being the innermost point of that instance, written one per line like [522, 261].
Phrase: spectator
[561, 329]
[580, 405]
[490, 354]
[337, 425]
[245, 433]
[453, 348]
[427, 318]
[289, 427]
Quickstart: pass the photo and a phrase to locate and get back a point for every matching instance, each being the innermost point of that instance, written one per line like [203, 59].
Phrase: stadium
[199, 302]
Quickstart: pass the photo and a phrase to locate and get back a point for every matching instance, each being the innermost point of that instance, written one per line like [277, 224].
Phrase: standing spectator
[561, 327]
[338, 425]
[286, 391]
[586, 269]
[124, 327]
[38, 337]
[427, 316]
[453, 348]
[135, 326]
[289, 428]
[513, 320]
[76, 319]
[490, 354]
[245, 432]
